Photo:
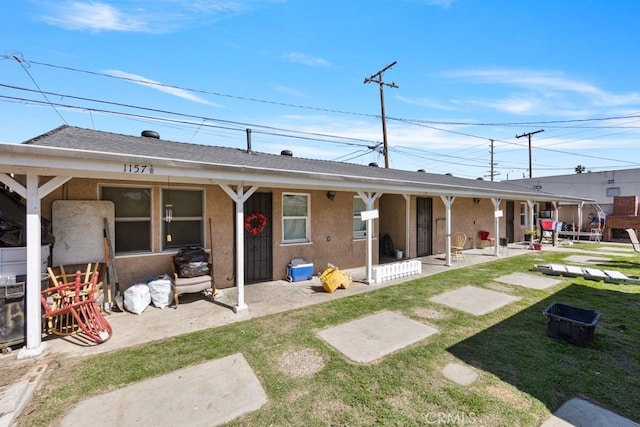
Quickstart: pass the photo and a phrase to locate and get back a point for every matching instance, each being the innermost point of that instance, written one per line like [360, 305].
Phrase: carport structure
[37, 168]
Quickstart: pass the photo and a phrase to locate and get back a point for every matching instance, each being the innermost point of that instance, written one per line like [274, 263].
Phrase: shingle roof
[76, 138]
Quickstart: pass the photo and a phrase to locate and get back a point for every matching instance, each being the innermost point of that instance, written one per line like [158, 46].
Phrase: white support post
[496, 218]
[531, 204]
[239, 197]
[34, 344]
[556, 216]
[407, 224]
[369, 199]
[448, 202]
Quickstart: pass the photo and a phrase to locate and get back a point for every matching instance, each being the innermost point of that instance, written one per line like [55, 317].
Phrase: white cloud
[302, 58]
[180, 93]
[133, 15]
[92, 16]
[549, 85]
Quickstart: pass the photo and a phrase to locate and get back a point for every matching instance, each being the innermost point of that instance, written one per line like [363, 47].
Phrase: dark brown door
[510, 218]
[258, 221]
[424, 216]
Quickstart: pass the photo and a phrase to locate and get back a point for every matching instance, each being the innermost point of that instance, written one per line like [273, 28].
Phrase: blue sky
[293, 71]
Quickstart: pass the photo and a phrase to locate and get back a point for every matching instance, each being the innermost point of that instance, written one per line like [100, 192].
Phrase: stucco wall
[137, 268]
[331, 235]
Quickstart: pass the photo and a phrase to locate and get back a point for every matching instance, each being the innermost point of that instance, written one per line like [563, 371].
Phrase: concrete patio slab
[473, 300]
[578, 412]
[528, 280]
[209, 394]
[371, 338]
[460, 374]
[587, 259]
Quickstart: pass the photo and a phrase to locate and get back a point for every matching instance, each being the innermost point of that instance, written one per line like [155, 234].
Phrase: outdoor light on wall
[476, 200]
[331, 195]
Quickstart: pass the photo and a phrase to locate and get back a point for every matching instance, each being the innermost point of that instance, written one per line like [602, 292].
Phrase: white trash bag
[160, 289]
[137, 298]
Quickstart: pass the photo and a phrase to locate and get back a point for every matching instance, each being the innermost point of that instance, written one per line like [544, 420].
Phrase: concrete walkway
[237, 394]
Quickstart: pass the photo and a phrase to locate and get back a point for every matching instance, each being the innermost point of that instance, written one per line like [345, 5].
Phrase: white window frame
[359, 234]
[150, 219]
[524, 214]
[307, 219]
[169, 247]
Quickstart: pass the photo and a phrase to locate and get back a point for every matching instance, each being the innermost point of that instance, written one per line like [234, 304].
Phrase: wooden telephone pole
[529, 135]
[377, 78]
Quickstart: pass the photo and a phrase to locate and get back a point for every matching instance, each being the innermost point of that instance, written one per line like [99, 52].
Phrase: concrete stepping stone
[210, 394]
[460, 374]
[528, 280]
[578, 412]
[371, 338]
[473, 300]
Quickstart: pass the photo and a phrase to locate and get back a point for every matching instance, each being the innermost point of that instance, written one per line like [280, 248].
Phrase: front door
[424, 214]
[509, 220]
[258, 256]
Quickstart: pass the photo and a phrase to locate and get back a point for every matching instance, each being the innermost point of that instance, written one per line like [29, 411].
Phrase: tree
[580, 168]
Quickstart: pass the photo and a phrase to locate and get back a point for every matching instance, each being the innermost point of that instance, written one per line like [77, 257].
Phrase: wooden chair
[72, 307]
[64, 323]
[484, 237]
[458, 241]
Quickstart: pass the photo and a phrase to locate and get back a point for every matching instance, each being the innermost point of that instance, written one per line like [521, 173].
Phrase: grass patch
[524, 375]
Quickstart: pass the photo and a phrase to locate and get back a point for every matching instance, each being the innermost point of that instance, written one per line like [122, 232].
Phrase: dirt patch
[301, 363]
[12, 369]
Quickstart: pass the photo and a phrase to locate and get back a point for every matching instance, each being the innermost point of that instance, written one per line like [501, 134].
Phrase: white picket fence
[396, 270]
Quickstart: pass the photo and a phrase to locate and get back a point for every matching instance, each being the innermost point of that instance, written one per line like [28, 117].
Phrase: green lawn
[524, 375]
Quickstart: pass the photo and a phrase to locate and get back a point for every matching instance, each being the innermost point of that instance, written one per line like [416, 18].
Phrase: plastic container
[574, 325]
[299, 272]
[12, 312]
[332, 279]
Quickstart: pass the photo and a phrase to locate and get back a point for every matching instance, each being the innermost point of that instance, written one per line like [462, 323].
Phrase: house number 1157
[129, 168]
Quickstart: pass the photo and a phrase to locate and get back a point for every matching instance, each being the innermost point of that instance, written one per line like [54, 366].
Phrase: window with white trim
[359, 226]
[523, 214]
[295, 218]
[182, 218]
[132, 216]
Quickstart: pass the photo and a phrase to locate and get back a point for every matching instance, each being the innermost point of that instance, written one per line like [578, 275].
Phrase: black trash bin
[12, 312]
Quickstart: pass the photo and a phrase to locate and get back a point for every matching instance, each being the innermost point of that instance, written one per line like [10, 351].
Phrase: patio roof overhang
[21, 159]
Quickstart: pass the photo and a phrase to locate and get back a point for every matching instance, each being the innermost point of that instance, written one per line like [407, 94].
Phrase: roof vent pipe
[150, 134]
[248, 140]
[288, 153]
[373, 164]
[421, 170]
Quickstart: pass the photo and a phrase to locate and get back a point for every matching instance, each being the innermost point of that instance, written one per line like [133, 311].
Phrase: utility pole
[491, 172]
[529, 135]
[377, 78]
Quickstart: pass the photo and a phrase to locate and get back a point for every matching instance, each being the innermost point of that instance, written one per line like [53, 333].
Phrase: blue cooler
[298, 270]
